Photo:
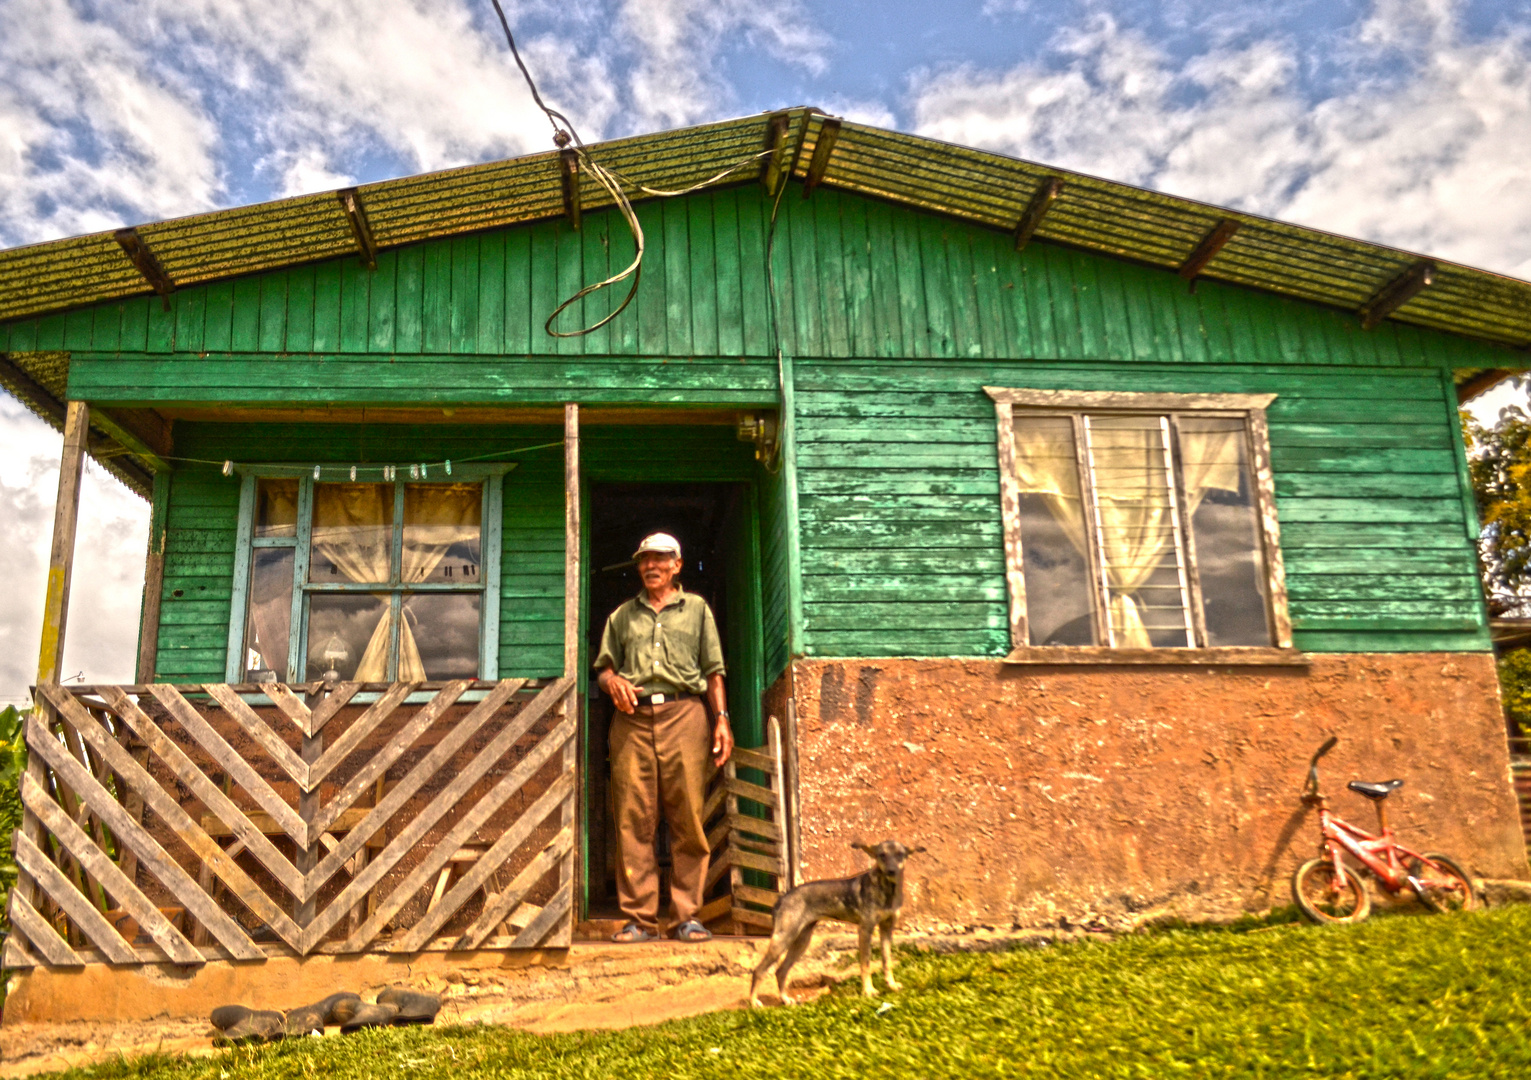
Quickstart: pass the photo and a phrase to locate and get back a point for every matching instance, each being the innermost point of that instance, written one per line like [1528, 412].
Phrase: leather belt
[660, 699]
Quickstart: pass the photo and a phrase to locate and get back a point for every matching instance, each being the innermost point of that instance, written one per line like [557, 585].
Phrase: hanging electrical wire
[563, 135]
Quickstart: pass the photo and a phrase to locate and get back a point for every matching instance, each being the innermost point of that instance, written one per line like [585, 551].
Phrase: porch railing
[214, 821]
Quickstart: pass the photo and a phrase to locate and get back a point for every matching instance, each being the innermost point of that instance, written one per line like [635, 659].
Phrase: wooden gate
[214, 821]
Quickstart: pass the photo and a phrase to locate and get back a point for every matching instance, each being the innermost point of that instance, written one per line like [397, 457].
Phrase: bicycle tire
[1313, 879]
[1454, 891]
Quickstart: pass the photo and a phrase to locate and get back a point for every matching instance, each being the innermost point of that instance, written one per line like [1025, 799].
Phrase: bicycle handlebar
[1329, 744]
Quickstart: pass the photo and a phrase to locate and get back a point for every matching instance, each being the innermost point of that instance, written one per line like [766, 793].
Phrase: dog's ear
[916, 850]
[865, 849]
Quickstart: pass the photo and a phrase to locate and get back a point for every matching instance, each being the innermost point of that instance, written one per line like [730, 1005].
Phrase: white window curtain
[1131, 492]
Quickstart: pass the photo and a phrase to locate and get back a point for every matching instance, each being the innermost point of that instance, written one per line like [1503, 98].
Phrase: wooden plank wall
[897, 319]
[199, 556]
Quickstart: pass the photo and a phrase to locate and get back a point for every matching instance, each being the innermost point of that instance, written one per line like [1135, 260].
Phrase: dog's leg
[773, 953]
[794, 954]
[864, 932]
[886, 931]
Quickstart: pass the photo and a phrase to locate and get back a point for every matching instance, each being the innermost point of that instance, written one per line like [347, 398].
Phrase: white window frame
[1072, 402]
[491, 477]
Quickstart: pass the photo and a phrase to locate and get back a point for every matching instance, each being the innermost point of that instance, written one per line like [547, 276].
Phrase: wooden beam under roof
[142, 431]
[1396, 293]
[361, 228]
[146, 263]
[1215, 240]
[1041, 202]
[823, 147]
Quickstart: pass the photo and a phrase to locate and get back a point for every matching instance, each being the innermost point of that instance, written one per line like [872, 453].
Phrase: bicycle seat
[1375, 791]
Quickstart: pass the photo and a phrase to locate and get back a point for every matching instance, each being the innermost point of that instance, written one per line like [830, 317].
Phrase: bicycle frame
[1378, 852]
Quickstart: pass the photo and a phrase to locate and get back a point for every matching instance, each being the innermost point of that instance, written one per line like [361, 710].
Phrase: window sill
[1095, 654]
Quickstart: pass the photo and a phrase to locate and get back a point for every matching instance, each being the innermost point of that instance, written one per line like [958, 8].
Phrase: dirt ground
[598, 987]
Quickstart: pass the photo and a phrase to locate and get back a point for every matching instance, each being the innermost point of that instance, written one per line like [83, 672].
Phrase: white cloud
[102, 629]
[676, 79]
[92, 131]
[1430, 156]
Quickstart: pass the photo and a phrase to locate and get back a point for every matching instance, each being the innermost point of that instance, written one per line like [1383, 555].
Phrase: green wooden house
[1055, 520]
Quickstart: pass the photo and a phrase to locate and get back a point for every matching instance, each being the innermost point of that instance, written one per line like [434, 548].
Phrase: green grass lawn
[1400, 996]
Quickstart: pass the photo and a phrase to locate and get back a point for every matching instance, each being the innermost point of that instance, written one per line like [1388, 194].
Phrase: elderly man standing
[660, 654]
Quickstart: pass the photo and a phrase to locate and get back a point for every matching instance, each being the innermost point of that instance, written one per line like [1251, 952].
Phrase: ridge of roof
[977, 186]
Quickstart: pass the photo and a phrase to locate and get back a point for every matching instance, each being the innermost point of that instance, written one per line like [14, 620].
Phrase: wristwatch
[723, 715]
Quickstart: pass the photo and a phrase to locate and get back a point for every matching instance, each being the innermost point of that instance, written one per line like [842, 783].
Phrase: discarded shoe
[415, 1006]
[338, 1008]
[370, 1016]
[306, 1020]
[238, 1023]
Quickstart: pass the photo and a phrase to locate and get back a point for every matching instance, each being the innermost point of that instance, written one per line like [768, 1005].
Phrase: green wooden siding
[895, 320]
[902, 550]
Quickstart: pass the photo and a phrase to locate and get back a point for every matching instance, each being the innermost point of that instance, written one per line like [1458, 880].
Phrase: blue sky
[1400, 121]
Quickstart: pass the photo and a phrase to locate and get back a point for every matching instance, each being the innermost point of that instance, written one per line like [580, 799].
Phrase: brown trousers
[661, 756]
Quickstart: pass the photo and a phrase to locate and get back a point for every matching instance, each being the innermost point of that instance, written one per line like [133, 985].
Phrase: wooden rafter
[568, 174]
[1483, 381]
[361, 228]
[1396, 293]
[773, 170]
[146, 262]
[818, 164]
[1206, 250]
[1041, 202]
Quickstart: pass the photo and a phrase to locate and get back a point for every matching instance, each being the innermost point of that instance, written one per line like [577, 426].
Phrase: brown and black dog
[870, 899]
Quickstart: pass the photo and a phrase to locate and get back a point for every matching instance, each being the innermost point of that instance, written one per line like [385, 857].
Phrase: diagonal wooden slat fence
[188, 823]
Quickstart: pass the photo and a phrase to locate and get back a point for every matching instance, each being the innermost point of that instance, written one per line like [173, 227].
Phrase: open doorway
[717, 526]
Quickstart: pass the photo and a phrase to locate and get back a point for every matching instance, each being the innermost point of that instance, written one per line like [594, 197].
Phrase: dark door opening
[716, 525]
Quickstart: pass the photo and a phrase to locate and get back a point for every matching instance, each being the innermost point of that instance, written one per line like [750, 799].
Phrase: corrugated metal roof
[972, 185]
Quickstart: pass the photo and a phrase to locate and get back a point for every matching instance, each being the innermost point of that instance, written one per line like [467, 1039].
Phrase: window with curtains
[387, 580]
[1139, 521]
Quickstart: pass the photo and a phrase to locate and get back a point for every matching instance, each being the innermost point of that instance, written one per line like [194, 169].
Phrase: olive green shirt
[671, 651]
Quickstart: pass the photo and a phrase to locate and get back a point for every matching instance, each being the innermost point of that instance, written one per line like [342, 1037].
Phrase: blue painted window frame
[492, 477]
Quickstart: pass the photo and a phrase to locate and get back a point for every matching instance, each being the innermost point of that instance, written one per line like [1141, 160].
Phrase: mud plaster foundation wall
[1072, 792]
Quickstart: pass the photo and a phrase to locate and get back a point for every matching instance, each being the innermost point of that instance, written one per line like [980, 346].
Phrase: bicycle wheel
[1445, 887]
[1325, 899]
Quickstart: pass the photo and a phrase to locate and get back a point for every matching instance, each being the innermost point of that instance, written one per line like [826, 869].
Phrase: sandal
[693, 932]
[631, 934]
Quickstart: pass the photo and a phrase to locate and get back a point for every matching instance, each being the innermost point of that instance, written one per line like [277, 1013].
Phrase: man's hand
[722, 742]
[623, 693]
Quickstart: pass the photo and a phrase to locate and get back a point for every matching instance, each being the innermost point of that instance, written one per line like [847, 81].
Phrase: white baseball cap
[660, 544]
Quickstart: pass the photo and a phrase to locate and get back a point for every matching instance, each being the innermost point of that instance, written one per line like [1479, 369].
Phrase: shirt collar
[679, 597]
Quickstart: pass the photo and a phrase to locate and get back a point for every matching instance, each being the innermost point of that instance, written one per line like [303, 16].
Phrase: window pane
[352, 534]
[276, 508]
[267, 628]
[1053, 544]
[348, 634]
[441, 533]
[1139, 531]
[1219, 492]
[441, 636]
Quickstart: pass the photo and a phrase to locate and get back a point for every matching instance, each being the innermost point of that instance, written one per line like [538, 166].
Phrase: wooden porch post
[154, 581]
[50, 660]
[569, 818]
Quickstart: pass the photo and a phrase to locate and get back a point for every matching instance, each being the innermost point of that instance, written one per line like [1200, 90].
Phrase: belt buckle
[656, 699]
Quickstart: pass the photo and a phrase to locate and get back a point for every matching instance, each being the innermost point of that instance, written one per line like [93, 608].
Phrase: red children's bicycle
[1328, 891]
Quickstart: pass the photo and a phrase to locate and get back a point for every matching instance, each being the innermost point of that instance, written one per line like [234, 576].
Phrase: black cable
[553, 115]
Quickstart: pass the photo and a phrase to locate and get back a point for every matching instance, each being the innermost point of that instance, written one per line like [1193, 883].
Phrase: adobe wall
[1047, 793]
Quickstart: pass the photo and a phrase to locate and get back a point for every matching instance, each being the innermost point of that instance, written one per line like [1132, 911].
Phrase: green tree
[1499, 461]
[13, 761]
